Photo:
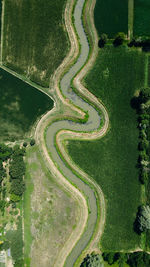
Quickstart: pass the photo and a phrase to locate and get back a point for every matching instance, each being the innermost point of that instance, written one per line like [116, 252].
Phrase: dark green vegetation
[142, 104]
[12, 187]
[112, 161]
[136, 259]
[20, 106]
[141, 17]
[35, 42]
[92, 260]
[111, 16]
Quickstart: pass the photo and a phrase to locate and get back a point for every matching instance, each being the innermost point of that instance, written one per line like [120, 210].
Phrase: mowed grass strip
[111, 16]
[35, 42]
[141, 17]
[111, 161]
[20, 106]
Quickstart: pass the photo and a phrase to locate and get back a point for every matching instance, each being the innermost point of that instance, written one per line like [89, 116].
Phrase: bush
[92, 260]
[17, 187]
[119, 39]
[15, 198]
[102, 40]
[25, 144]
[32, 142]
[142, 222]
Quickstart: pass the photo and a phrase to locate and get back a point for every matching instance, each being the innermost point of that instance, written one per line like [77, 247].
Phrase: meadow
[20, 106]
[35, 42]
[112, 160]
[141, 17]
[111, 17]
[50, 214]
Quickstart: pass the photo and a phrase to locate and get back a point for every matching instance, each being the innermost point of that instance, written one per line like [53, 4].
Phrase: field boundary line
[2, 29]
[130, 18]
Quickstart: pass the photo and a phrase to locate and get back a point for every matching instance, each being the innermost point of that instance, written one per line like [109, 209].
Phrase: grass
[111, 161]
[20, 106]
[35, 42]
[50, 214]
[27, 210]
[111, 16]
[141, 17]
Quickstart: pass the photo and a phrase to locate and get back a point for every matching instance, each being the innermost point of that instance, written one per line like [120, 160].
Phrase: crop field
[112, 160]
[50, 214]
[111, 17]
[20, 106]
[142, 17]
[35, 42]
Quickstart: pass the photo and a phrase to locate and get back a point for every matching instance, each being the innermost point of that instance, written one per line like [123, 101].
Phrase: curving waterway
[92, 124]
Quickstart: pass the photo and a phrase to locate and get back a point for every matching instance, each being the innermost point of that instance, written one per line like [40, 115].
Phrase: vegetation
[112, 161]
[49, 213]
[111, 17]
[102, 40]
[119, 39]
[92, 260]
[141, 17]
[20, 106]
[33, 30]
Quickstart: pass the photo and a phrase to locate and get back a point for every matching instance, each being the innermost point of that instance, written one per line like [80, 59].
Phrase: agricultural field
[20, 107]
[34, 39]
[111, 17]
[112, 160]
[50, 214]
[141, 18]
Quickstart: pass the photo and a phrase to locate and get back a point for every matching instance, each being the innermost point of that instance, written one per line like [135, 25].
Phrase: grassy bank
[35, 42]
[20, 106]
[111, 161]
[111, 16]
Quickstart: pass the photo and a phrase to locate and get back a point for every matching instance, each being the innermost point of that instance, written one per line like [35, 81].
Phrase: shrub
[142, 222]
[119, 39]
[102, 40]
[32, 142]
[92, 260]
[25, 144]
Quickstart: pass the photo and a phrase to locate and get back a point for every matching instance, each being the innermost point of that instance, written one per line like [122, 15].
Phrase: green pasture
[111, 17]
[112, 160]
[20, 106]
[141, 17]
[35, 41]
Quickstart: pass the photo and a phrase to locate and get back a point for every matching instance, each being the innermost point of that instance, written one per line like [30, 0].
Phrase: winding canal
[92, 124]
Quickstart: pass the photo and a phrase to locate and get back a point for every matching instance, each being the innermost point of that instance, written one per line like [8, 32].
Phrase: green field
[35, 42]
[20, 106]
[111, 17]
[112, 160]
[141, 17]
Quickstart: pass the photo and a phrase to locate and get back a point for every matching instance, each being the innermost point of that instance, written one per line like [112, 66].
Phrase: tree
[17, 187]
[144, 94]
[109, 257]
[143, 218]
[119, 39]
[25, 144]
[32, 142]
[92, 260]
[102, 40]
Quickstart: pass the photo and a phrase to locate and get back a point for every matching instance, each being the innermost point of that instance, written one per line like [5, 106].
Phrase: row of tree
[142, 105]
[136, 259]
[17, 172]
[120, 38]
